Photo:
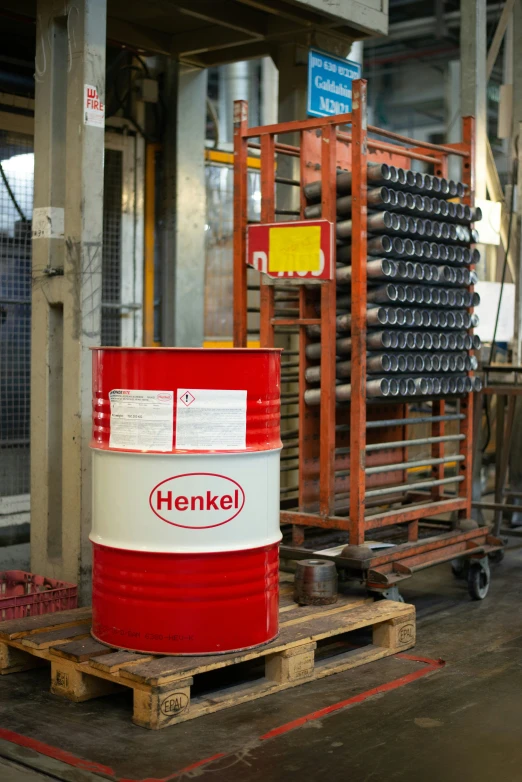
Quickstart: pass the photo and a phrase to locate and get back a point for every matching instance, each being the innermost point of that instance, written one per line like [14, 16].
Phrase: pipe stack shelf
[378, 373]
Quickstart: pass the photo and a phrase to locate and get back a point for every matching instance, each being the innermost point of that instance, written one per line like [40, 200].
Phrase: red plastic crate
[25, 594]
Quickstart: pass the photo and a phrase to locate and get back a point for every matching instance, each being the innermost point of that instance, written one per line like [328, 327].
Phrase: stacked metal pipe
[419, 269]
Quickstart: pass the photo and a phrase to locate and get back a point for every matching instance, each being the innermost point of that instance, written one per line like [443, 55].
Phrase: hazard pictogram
[187, 398]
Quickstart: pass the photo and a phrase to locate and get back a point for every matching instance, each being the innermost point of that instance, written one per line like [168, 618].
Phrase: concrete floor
[462, 721]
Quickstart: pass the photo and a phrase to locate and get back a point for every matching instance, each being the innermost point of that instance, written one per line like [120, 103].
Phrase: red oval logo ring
[197, 500]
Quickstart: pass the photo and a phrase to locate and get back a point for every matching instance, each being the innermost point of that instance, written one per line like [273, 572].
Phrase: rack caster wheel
[478, 579]
[497, 556]
[459, 568]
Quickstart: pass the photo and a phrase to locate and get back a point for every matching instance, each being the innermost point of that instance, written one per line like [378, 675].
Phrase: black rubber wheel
[497, 556]
[459, 568]
[478, 582]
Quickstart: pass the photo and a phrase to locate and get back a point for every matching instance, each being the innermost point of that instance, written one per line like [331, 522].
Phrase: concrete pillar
[269, 91]
[516, 74]
[184, 208]
[292, 64]
[356, 54]
[473, 81]
[254, 90]
[233, 85]
[515, 461]
[66, 303]
[453, 114]
[517, 68]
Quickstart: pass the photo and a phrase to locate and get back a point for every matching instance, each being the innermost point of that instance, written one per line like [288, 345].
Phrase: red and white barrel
[186, 445]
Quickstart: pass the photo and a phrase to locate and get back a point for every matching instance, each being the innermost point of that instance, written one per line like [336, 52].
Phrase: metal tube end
[393, 387]
[477, 384]
[388, 316]
[400, 200]
[421, 386]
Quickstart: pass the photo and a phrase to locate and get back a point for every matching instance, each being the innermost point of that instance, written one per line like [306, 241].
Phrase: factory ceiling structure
[204, 33]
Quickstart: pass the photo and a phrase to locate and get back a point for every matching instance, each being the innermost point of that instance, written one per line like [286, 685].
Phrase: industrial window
[111, 257]
[219, 251]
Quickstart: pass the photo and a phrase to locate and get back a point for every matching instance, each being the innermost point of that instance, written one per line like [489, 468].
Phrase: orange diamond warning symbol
[187, 398]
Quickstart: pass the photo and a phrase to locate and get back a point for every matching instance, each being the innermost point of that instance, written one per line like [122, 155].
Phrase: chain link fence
[16, 205]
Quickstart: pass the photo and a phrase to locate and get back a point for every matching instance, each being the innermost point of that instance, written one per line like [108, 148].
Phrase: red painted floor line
[176, 774]
[433, 665]
[97, 768]
[417, 659]
[55, 752]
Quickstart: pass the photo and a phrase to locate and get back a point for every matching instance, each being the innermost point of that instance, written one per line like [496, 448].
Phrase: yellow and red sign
[297, 250]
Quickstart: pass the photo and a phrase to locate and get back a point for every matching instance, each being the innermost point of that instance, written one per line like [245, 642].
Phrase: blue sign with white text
[330, 84]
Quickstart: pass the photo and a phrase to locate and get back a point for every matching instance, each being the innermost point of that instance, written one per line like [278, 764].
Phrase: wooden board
[16, 628]
[82, 668]
[54, 637]
[82, 650]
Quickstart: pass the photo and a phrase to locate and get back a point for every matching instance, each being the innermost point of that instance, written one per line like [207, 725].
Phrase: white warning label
[141, 420]
[210, 419]
[93, 108]
[48, 222]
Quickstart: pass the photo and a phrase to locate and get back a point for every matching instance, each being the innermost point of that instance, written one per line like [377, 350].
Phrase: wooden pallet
[312, 643]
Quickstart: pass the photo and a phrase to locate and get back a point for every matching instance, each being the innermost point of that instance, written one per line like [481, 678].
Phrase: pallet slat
[82, 650]
[110, 663]
[299, 613]
[54, 637]
[17, 628]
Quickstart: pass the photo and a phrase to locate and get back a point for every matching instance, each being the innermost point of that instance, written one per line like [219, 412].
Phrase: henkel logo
[164, 397]
[197, 500]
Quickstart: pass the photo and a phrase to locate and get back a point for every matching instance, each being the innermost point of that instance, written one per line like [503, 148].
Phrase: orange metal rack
[332, 440]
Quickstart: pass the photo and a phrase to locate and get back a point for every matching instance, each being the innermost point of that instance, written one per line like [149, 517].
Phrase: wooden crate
[312, 643]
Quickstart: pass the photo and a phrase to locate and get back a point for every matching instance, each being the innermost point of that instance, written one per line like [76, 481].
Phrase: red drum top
[186, 399]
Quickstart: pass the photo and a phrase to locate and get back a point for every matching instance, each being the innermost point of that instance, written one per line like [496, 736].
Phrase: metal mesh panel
[16, 203]
[111, 258]
[158, 247]
[219, 252]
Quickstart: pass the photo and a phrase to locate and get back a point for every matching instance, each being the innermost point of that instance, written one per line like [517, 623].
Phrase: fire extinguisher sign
[93, 108]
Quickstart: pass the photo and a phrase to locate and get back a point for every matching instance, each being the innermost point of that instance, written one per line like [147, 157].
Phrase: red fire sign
[297, 250]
